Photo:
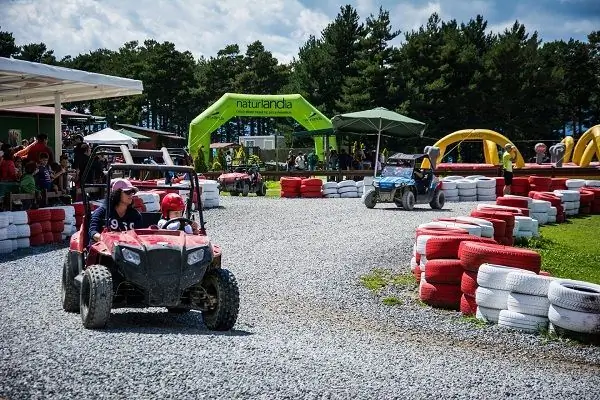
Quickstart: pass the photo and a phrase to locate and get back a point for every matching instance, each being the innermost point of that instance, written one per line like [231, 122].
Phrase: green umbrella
[377, 121]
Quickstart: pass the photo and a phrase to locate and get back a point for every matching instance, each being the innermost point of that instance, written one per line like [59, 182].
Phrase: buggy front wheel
[96, 297]
[438, 201]
[221, 286]
[408, 200]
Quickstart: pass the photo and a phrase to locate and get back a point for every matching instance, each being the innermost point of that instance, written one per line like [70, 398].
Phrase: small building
[158, 138]
[263, 142]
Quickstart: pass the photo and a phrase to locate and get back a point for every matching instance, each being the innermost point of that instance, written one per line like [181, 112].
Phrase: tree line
[447, 74]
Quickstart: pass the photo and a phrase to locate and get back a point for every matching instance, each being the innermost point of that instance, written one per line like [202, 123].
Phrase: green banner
[253, 105]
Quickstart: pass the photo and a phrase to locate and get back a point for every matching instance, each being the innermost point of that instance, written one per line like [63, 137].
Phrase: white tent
[110, 136]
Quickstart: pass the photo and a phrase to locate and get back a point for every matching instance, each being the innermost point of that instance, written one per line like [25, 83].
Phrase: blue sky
[205, 26]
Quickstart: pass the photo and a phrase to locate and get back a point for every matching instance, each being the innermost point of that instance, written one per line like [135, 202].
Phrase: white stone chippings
[307, 327]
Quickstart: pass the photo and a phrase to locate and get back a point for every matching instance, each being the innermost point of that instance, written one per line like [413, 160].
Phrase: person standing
[507, 166]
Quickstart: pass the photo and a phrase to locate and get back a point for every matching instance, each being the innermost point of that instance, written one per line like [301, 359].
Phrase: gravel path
[307, 328]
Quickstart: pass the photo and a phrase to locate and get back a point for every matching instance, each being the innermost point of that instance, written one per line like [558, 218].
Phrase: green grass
[380, 278]
[571, 250]
[391, 301]
[476, 322]
[273, 188]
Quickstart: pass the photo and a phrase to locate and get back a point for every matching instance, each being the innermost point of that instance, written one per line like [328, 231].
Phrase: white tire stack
[329, 190]
[347, 189]
[525, 227]
[552, 213]
[540, 211]
[487, 227]
[486, 189]
[574, 184]
[360, 188]
[6, 244]
[491, 295]
[569, 200]
[21, 225]
[151, 201]
[467, 190]
[450, 190]
[574, 306]
[474, 230]
[527, 303]
[419, 249]
[592, 183]
[210, 193]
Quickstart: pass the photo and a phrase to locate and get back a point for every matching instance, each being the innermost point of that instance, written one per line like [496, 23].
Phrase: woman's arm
[97, 223]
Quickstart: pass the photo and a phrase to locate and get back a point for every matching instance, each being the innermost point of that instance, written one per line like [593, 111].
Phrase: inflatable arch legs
[569, 145]
[254, 105]
[490, 139]
[587, 146]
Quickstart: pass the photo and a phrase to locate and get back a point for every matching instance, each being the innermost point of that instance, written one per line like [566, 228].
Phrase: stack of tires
[541, 210]
[440, 284]
[347, 189]
[330, 190]
[467, 190]
[586, 201]
[527, 303]
[574, 307]
[540, 184]
[311, 188]
[40, 227]
[487, 227]
[556, 212]
[595, 208]
[360, 188]
[6, 241]
[150, 201]
[475, 254]
[569, 200]
[69, 221]
[520, 186]
[574, 184]
[558, 184]
[504, 224]
[486, 189]
[14, 231]
[525, 227]
[450, 190]
[492, 293]
[290, 187]
[499, 186]
[210, 193]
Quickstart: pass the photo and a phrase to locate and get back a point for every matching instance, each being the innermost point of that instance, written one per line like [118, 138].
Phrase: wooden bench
[10, 198]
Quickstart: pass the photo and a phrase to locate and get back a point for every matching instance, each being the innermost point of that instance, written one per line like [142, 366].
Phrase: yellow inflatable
[587, 146]
[491, 141]
[569, 145]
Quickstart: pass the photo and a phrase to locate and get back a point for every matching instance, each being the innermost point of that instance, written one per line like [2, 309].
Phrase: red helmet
[171, 202]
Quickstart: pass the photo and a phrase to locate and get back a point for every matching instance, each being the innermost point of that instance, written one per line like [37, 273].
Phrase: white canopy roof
[27, 83]
[109, 136]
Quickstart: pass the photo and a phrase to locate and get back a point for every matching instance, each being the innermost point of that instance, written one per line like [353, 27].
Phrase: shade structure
[135, 135]
[378, 121]
[110, 136]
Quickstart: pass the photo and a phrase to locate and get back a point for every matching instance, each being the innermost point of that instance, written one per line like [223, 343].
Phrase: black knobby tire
[371, 199]
[96, 297]
[438, 201]
[245, 189]
[178, 310]
[408, 200]
[69, 292]
[222, 284]
[262, 189]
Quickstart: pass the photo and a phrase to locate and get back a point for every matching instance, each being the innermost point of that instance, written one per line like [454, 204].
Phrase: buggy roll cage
[166, 154]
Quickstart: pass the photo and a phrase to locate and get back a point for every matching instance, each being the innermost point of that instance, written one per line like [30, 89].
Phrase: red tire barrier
[38, 215]
[446, 247]
[440, 231]
[311, 195]
[445, 271]
[558, 184]
[468, 306]
[46, 226]
[468, 283]
[512, 202]
[57, 226]
[473, 254]
[57, 214]
[36, 240]
[416, 270]
[440, 295]
[57, 237]
[35, 229]
[312, 182]
[48, 237]
[310, 189]
[289, 195]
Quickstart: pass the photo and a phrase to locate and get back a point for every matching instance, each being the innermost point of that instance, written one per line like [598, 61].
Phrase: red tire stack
[441, 287]
[503, 233]
[596, 203]
[290, 187]
[586, 201]
[499, 187]
[473, 254]
[520, 186]
[40, 226]
[540, 183]
[434, 231]
[311, 188]
[57, 224]
[79, 212]
[513, 202]
[554, 201]
[558, 184]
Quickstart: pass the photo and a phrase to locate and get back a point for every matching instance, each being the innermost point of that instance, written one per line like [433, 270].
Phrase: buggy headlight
[195, 257]
[131, 256]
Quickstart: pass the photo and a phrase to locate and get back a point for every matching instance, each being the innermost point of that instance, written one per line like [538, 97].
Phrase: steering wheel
[179, 219]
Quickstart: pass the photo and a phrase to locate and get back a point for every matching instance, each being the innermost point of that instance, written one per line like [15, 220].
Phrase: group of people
[342, 161]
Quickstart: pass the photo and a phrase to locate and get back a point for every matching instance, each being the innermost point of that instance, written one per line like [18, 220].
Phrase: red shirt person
[33, 151]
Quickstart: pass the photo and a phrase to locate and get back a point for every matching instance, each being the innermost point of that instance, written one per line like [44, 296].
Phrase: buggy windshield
[399, 172]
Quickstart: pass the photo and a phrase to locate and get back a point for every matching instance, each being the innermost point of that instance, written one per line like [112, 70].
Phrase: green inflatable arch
[256, 105]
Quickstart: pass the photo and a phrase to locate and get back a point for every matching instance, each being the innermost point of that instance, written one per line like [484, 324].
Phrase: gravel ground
[307, 328]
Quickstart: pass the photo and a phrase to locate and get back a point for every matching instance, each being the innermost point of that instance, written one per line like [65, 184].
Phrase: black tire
[408, 200]
[178, 310]
[96, 297]
[438, 201]
[222, 284]
[262, 189]
[245, 189]
[234, 193]
[371, 199]
[69, 293]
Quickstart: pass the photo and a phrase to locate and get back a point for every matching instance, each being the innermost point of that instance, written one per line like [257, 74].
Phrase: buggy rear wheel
[221, 285]
[69, 292]
[408, 200]
[245, 189]
[96, 297]
[438, 201]
[371, 199]
[262, 189]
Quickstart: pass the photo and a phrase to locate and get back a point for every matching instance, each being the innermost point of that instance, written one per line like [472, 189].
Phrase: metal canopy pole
[57, 127]
[377, 151]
